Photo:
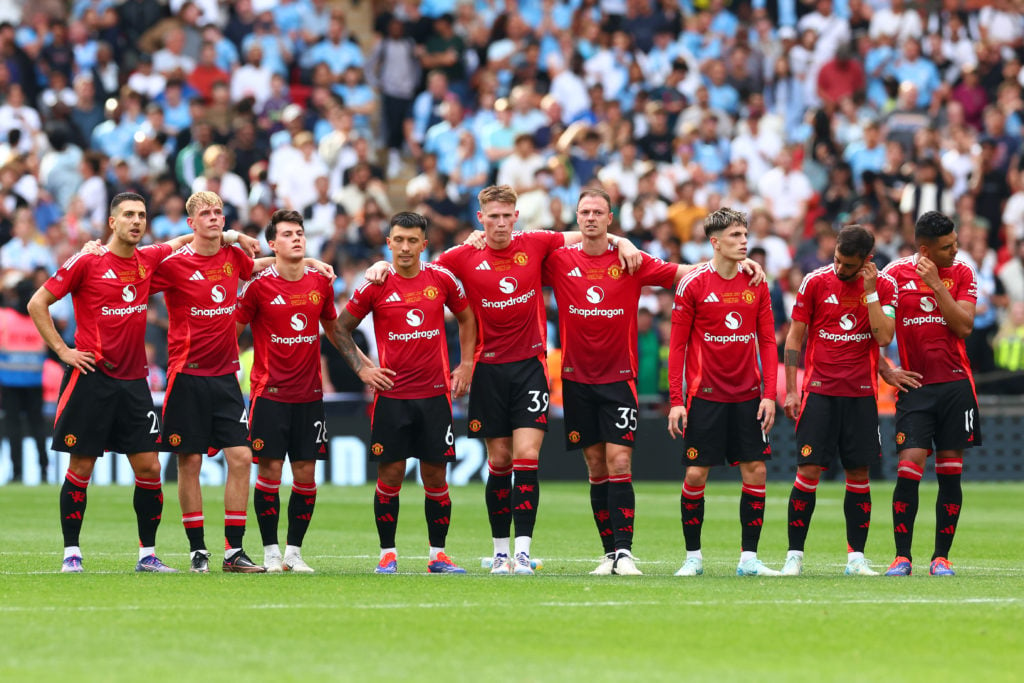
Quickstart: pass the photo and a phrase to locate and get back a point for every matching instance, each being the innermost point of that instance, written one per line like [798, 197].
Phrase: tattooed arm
[794, 342]
[340, 335]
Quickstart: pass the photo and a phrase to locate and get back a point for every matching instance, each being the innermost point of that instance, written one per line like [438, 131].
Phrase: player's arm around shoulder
[378, 272]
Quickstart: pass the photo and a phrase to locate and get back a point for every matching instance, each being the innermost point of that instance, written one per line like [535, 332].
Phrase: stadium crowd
[805, 115]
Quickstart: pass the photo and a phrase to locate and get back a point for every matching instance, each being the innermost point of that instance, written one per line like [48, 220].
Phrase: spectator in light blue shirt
[277, 48]
[721, 95]
[173, 221]
[177, 113]
[337, 50]
[699, 41]
[358, 96]
[919, 71]
[435, 8]
[227, 54]
[25, 251]
[426, 108]
[443, 138]
[288, 17]
[316, 19]
[723, 22]
[867, 154]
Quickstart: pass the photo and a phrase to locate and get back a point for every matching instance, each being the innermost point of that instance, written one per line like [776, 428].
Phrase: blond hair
[503, 194]
[202, 199]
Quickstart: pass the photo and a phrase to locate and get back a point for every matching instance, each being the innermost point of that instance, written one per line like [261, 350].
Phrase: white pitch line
[554, 605]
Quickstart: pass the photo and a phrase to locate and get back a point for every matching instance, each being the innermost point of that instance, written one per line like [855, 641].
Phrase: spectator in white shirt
[252, 79]
[896, 20]
[786, 192]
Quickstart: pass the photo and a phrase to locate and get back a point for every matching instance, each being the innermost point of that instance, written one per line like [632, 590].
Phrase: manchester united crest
[142, 271]
[315, 298]
[228, 269]
[474, 425]
[574, 436]
[174, 439]
[257, 444]
[747, 296]
[900, 438]
[431, 292]
[377, 448]
[691, 453]
[70, 440]
[947, 282]
[806, 450]
[520, 258]
[615, 271]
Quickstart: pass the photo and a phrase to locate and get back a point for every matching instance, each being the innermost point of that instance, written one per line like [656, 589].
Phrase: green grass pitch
[347, 624]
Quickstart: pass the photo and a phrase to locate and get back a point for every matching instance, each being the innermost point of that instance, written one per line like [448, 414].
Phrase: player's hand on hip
[377, 273]
[792, 406]
[677, 417]
[379, 379]
[476, 239]
[751, 266]
[84, 361]
[766, 414]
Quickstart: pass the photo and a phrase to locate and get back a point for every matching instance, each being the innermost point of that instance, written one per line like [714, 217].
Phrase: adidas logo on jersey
[109, 275]
[484, 265]
[910, 285]
[575, 272]
[278, 300]
[712, 298]
[832, 299]
[394, 298]
[197, 276]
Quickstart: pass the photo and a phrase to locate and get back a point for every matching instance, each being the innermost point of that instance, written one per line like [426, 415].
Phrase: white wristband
[231, 237]
[871, 298]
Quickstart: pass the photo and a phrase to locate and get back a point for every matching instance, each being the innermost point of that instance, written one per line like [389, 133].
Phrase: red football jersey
[109, 294]
[285, 318]
[504, 289]
[201, 294]
[408, 322]
[925, 341]
[842, 354]
[597, 308]
[720, 328]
